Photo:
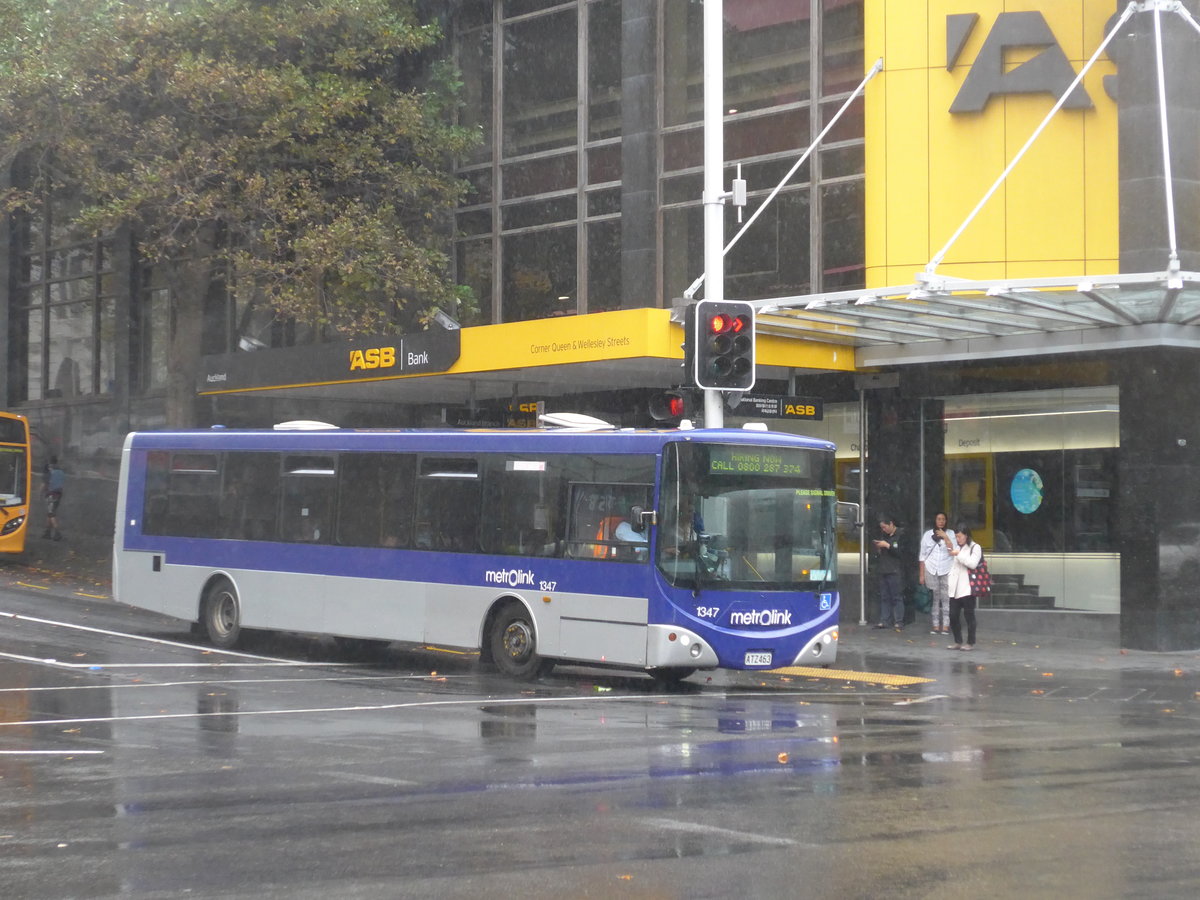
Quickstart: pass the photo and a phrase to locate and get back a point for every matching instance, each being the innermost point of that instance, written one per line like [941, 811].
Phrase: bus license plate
[758, 658]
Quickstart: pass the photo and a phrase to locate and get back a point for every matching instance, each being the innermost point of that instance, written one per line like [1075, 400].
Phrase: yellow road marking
[849, 675]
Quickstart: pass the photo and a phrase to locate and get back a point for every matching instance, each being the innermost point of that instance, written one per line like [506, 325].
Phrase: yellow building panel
[907, 188]
[622, 334]
[770, 350]
[1033, 200]
[895, 34]
[966, 154]
[1058, 209]
[1102, 223]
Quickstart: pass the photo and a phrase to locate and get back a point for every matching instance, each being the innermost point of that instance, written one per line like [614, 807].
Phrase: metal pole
[714, 162]
[862, 505]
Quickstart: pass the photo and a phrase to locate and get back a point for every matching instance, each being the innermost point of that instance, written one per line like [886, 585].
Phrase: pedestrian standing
[967, 555]
[933, 571]
[891, 589]
[52, 491]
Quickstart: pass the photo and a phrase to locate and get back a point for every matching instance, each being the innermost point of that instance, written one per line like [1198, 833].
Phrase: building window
[539, 274]
[540, 77]
[63, 308]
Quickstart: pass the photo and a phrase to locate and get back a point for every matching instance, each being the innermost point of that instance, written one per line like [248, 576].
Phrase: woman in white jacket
[966, 557]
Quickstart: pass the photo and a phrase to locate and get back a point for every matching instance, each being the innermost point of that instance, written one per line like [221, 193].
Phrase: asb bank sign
[362, 359]
[964, 86]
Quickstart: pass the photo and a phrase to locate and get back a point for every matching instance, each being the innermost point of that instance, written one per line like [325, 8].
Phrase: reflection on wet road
[135, 762]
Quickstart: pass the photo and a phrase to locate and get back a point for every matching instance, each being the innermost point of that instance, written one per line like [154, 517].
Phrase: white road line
[370, 779]
[921, 699]
[51, 752]
[477, 701]
[265, 664]
[697, 828]
[138, 637]
[108, 686]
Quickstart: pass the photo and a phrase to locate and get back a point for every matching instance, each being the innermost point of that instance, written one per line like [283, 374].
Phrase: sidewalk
[77, 563]
[866, 645]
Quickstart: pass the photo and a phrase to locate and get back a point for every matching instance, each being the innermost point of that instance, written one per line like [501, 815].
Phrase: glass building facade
[588, 176]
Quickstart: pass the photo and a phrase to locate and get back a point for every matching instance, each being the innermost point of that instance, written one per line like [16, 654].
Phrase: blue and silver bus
[667, 551]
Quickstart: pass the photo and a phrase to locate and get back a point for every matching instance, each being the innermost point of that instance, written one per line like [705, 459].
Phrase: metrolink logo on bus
[510, 577]
[761, 617]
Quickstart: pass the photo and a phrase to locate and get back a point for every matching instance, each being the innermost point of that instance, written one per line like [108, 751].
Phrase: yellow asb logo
[796, 409]
[373, 358]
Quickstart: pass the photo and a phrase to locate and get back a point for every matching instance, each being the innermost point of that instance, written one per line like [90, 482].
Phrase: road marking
[108, 686]
[698, 828]
[850, 675]
[139, 637]
[922, 699]
[264, 663]
[370, 779]
[478, 701]
[52, 752]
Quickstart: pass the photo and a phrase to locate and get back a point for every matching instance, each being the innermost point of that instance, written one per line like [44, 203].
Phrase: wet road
[135, 763]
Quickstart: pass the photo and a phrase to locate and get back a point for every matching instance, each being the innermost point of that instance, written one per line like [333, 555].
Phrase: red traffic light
[666, 406]
[724, 323]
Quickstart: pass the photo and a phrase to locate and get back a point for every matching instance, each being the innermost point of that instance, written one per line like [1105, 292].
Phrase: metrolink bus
[668, 551]
[15, 482]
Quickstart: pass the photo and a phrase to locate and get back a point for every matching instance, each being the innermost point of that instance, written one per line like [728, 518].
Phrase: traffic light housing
[723, 345]
[670, 406]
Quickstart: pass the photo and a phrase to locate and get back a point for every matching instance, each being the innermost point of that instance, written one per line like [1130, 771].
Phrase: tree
[295, 150]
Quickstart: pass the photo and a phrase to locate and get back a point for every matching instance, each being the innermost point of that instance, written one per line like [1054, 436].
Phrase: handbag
[922, 598]
[981, 578]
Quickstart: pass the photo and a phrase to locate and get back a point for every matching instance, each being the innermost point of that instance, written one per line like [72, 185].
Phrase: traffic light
[723, 345]
[669, 406]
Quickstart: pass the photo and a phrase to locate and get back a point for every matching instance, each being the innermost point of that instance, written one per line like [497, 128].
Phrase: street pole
[714, 163]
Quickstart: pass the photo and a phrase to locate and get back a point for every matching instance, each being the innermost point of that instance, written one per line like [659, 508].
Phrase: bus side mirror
[639, 518]
[849, 515]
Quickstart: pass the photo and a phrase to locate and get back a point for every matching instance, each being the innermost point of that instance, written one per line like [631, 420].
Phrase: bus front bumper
[668, 646]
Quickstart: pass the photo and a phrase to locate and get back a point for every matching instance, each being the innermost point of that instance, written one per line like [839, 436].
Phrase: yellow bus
[15, 481]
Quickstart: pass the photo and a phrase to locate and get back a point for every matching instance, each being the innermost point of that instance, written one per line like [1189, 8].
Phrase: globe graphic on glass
[1026, 491]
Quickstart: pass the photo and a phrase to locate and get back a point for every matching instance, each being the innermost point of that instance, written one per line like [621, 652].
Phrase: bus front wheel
[221, 614]
[513, 643]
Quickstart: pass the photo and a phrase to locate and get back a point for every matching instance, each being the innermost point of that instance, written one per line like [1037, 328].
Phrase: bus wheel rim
[226, 612]
[518, 640]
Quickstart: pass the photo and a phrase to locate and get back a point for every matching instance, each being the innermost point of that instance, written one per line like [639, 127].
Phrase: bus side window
[309, 485]
[250, 498]
[597, 511]
[448, 493]
[375, 499]
[193, 492]
[154, 498]
[519, 515]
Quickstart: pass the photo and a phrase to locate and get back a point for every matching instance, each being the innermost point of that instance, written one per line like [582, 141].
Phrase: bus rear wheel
[513, 643]
[221, 614]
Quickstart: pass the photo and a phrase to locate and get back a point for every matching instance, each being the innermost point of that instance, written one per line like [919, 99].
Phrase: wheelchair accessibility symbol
[826, 601]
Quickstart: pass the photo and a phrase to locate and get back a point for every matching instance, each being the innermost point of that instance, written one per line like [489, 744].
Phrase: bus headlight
[696, 649]
[12, 525]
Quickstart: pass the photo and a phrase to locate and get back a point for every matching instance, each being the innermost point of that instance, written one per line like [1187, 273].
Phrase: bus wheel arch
[510, 641]
[221, 612]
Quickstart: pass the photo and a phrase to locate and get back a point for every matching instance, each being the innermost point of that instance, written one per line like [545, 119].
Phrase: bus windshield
[738, 517]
